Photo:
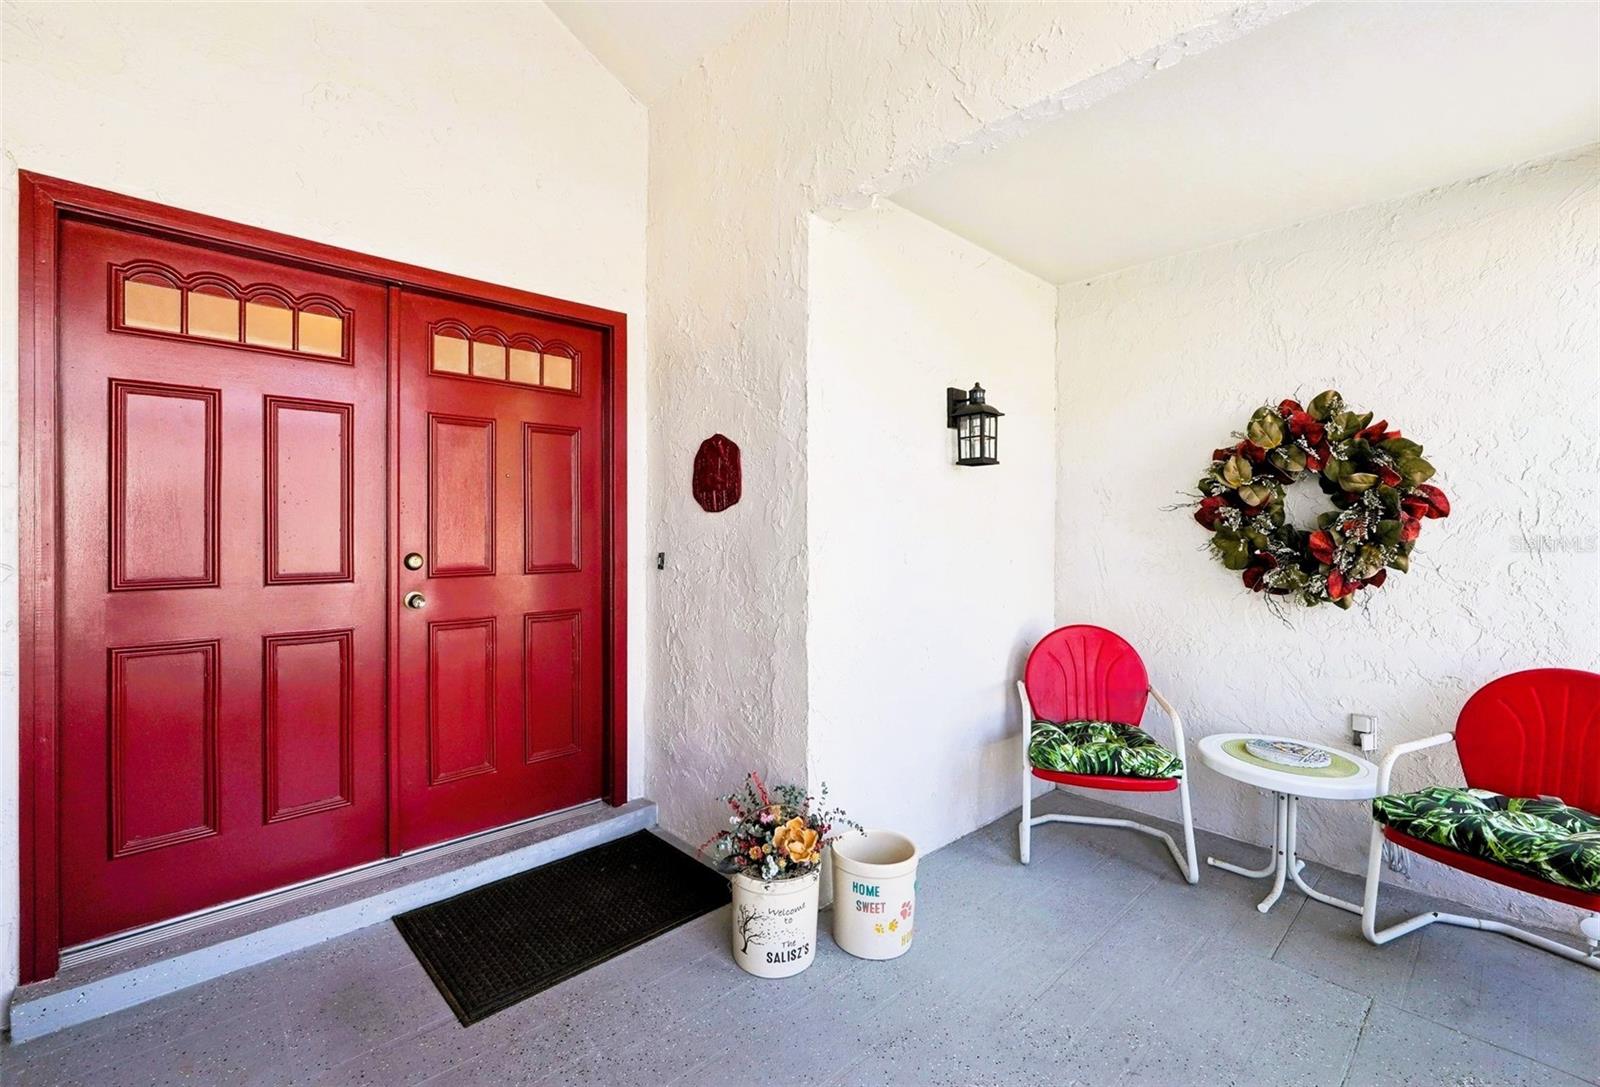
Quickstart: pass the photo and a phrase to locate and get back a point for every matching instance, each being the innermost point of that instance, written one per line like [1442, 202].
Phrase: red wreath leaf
[1438, 504]
[1321, 546]
[1210, 509]
[1338, 586]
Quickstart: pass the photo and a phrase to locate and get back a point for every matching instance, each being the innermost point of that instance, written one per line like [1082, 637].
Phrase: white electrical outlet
[1364, 731]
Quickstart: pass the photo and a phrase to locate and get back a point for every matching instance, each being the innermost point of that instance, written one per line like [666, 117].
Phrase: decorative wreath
[1376, 480]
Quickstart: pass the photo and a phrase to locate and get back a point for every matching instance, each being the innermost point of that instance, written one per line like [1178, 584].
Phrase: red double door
[265, 678]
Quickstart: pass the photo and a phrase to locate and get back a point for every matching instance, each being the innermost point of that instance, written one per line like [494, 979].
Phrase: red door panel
[223, 588]
[501, 670]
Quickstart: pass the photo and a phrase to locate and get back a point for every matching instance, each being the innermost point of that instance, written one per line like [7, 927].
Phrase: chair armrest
[1387, 766]
[1027, 720]
[1177, 723]
[1027, 706]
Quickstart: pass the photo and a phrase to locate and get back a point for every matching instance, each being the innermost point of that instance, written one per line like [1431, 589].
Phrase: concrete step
[99, 979]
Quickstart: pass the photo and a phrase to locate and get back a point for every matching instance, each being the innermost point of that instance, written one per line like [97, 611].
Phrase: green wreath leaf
[1236, 471]
[1256, 494]
[1235, 555]
[1296, 458]
[1400, 447]
[1369, 560]
[1415, 470]
[1265, 429]
[1323, 405]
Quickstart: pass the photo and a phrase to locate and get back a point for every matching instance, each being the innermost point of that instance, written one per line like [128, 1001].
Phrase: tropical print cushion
[1100, 747]
[1544, 838]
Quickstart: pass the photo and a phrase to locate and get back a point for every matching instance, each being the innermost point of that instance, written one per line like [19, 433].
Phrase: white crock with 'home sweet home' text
[874, 893]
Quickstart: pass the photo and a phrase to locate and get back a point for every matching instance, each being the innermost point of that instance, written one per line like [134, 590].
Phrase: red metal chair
[1529, 734]
[1087, 673]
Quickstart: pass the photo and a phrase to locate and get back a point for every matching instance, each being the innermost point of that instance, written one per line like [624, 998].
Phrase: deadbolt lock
[413, 561]
[415, 600]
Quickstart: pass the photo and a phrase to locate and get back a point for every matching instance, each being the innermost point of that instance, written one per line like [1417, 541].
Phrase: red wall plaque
[716, 474]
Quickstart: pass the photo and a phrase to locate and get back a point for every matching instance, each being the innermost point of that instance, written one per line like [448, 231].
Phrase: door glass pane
[524, 366]
[449, 353]
[152, 305]
[322, 334]
[558, 372]
[488, 360]
[269, 323]
[213, 314]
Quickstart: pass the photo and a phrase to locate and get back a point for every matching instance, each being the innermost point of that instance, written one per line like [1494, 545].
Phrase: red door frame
[44, 201]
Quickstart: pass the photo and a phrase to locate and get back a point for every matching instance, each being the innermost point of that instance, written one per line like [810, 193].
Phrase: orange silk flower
[797, 841]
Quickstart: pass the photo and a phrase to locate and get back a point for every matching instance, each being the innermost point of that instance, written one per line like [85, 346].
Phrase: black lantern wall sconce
[977, 426]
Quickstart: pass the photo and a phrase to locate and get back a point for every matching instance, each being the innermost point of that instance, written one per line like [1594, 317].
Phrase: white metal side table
[1346, 777]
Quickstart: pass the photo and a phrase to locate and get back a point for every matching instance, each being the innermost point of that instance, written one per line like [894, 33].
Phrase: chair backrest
[1086, 673]
[1535, 733]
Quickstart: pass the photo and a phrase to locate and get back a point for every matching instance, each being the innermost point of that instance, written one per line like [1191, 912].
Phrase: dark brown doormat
[501, 943]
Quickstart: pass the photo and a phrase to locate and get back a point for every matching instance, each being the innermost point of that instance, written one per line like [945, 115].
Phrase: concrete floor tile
[1398, 1049]
[1327, 942]
[167, 1017]
[358, 1012]
[1227, 1016]
[215, 1035]
[246, 1050]
[954, 1049]
[646, 1055]
[403, 1061]
[1467, 979]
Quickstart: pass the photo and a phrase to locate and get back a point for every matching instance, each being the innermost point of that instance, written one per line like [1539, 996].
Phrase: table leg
[1272, 851]
[1281, 833]
[1295, 865]
[1281, 863]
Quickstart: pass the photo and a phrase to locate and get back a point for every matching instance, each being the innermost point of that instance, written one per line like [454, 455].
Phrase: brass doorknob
[415, 600]
[413, 561]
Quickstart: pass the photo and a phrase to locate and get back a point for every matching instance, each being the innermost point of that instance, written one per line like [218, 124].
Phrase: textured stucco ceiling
[1333, 107]
[648, 44]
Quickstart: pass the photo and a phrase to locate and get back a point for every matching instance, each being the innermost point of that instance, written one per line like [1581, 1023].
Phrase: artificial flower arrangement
[778, 833]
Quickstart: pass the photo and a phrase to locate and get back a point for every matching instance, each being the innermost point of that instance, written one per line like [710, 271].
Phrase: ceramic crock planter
[874, 893]
[775, 924]
[772, 851]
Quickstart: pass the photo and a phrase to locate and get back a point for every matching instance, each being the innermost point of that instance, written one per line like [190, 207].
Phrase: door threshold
[133, 967]
[266, 900]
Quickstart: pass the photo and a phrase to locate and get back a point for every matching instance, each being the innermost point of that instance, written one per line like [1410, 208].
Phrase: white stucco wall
[480, 139]
[809, 107]
[927, 582]
[1469, 317]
